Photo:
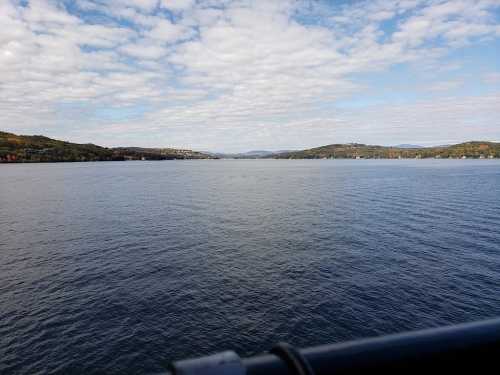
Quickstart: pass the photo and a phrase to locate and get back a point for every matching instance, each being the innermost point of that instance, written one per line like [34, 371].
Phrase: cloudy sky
[241, 75]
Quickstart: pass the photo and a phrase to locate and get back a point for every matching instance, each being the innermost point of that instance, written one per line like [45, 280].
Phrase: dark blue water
[119, 267]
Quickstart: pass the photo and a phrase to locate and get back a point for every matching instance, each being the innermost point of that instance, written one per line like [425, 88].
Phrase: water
[121, 266]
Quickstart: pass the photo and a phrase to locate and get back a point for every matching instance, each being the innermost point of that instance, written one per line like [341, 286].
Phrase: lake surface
[122, 266]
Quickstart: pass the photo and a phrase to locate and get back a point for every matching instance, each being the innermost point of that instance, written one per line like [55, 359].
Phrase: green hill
[37, 148]
[137, 153]
[356, 150]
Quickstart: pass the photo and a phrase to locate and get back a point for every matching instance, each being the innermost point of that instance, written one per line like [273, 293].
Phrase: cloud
[143, 5]
[168, 32]
[445, 85]
[428, 121]
[425, 121]
[232, 72]
[177, 5]
[492, 78]
[455, 22]
[143, 50]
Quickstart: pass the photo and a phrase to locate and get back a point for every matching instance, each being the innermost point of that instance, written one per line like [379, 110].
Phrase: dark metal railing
[468, 347]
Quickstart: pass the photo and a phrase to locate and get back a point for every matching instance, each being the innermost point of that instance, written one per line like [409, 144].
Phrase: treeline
[32, 149]
[22, 148]
[139, 153]
[355, 150]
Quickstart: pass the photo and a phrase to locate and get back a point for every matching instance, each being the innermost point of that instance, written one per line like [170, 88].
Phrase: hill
[139, 153]
[404, 145]
[37, 148]
[356, 150]
[257, 154]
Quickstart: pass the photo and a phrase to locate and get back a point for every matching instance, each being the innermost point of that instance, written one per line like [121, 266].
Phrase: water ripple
[120, 267]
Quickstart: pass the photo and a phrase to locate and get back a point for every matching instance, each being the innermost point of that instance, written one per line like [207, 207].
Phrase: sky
[238, 75]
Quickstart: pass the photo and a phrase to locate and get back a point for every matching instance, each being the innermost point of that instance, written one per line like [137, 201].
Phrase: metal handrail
[464, 347]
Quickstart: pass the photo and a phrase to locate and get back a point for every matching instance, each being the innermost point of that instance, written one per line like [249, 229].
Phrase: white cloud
[143, 50]
[426, 122]
[223, 70]
[40, 11]
[457, 21]
[143, 5]
[168, 32]
[492, 78]
[445, 85]
[177, 5]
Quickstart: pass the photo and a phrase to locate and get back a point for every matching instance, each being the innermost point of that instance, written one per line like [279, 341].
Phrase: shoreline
[239, 159]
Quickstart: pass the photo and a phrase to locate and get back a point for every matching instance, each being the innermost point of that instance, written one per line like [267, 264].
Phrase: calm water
[119, 267]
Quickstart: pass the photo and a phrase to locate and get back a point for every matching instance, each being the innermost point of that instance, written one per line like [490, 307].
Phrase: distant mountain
[37, 148]
[476, 149]
[140, 153]
[404, 145]
[256, 154]
[244, 155]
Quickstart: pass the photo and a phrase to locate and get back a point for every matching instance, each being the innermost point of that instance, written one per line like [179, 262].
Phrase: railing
[472, 348]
